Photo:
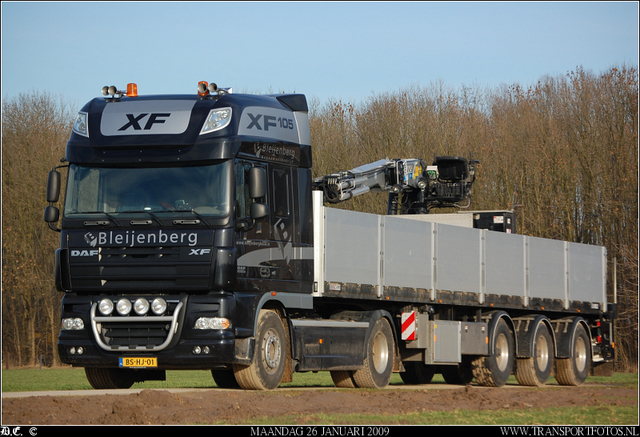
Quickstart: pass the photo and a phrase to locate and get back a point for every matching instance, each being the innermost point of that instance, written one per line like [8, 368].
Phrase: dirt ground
[302, 405]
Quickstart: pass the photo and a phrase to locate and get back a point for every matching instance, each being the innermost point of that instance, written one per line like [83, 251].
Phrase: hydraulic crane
[413, 186]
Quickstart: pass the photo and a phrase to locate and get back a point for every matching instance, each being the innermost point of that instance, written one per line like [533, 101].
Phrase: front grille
[168, 268]
[135, 333]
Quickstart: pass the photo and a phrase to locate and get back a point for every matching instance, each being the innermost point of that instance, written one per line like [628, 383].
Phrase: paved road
[25, 394]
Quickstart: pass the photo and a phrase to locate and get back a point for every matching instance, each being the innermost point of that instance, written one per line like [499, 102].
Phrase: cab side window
[281, 192]
[243, 197]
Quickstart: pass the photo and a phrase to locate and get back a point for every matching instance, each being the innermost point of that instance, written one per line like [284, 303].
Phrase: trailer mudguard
[526, 330]
[565, 331]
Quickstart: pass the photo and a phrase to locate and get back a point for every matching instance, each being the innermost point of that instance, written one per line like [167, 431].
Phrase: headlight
[123, 307]
[72, 324]
[212, 323]
[141, 306]
[216, 120]
[106, 307]
[80, 125]
[158, 306]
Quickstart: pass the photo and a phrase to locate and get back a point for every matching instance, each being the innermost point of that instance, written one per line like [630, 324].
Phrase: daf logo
[199, 251]
[92, 252]
[135, 120]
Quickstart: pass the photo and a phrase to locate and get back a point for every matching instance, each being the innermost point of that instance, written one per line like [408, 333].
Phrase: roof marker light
[132, 90]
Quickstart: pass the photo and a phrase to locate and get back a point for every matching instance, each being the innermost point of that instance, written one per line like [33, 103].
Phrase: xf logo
[199, 251]
[268, 121]
[134, 121]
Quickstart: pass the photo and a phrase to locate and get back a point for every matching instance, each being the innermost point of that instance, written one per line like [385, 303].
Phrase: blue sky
[328, 51]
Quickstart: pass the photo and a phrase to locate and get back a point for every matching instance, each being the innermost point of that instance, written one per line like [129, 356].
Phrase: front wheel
[224, 378]
[107, 378]
[268, 364]
[378, 364]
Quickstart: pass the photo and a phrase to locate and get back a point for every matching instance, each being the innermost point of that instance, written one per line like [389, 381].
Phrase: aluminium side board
[370, 256]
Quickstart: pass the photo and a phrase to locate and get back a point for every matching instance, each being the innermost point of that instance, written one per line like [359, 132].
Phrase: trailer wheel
[106, 378]
[224, 378]
[343, 378]
[535, 371]
[574, 370]
[378, 364]
[417, 373]
[494, 370]
[268, 364]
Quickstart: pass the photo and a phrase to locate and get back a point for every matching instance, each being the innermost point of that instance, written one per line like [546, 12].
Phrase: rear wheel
[461, 374]
[268, 364]
[378, 364]
[343, 378]
[574, 370]
[417, 373]
[106, 378]
[535, 371]
[494, 370]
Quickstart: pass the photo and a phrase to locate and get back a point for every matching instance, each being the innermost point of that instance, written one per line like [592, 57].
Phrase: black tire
[574, 370]
[224, 378]
[461, 374]
[269, 359]
[378, 364]
[535, 370]
[343, 378]
[495, 369]
[417, 373]
[107, 378]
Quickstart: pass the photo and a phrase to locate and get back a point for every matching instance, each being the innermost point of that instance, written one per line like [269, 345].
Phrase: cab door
[253, 235]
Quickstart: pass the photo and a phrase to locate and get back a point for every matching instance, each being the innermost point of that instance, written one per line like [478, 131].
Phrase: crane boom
[413, 186]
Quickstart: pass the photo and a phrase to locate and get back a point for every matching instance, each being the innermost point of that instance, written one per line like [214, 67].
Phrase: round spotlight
[123, 307]
[213, 87]
[105, 90]
[113, 90]
[141, 306]
[106, 307]
[158, 306]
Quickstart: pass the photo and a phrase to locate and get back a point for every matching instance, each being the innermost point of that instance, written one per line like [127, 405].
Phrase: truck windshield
[205, 190]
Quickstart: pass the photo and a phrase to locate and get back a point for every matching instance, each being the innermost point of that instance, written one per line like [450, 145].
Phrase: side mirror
[53, 186]
[257, 182]
[258, 211]
[51, 214]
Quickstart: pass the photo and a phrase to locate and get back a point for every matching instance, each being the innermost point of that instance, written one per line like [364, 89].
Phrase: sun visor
[157, 117]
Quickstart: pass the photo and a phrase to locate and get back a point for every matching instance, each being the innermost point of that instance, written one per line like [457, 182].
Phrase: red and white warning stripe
[409, 326]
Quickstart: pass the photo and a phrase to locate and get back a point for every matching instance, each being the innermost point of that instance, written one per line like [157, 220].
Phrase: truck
[194, 236]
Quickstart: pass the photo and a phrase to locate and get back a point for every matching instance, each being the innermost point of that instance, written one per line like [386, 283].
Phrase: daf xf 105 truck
[193, 236]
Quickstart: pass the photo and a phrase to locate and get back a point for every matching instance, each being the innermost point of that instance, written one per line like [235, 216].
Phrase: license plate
[138, 362]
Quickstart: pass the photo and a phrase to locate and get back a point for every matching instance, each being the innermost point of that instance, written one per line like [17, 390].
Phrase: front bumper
[171, 339]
